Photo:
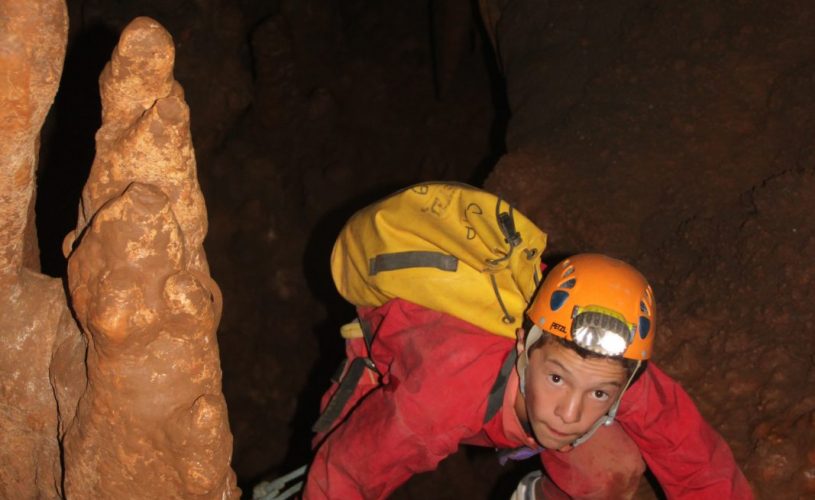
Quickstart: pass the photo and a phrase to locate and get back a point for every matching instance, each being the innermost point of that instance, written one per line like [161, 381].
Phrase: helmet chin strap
[523, 362]
[608, 418]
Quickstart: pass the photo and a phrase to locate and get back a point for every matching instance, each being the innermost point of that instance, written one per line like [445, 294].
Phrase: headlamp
[601, 331]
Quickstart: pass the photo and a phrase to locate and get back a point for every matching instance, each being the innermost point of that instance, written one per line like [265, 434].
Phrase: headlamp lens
[601, 333]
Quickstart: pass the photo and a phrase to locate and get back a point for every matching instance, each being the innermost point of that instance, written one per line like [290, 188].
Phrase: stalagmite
[153, 420]
[113, 391]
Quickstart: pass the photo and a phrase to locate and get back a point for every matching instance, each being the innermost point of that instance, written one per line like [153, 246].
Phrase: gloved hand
[526, 489]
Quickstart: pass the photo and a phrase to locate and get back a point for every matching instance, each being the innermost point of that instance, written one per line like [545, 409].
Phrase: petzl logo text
[558, 327]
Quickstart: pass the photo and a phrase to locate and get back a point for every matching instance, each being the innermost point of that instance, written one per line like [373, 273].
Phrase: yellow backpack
[448, 247]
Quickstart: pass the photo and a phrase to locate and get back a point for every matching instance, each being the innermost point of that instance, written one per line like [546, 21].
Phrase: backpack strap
[348, 383]
[496, 396]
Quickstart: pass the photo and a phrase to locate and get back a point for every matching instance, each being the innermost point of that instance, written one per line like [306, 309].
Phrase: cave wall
[678, 137]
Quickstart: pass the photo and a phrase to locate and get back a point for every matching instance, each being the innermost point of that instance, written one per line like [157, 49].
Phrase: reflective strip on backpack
[404, 260]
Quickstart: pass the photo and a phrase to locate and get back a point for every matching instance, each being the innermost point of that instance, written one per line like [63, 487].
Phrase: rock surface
[119, 394]
[34, 315]
[152, 422]
[679, 138]
[32, 50]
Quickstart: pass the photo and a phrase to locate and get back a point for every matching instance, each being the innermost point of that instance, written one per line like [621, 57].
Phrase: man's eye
[555, 378]
[601, 395]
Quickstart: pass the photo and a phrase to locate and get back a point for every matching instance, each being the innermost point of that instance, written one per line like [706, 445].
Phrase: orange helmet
[601, 304]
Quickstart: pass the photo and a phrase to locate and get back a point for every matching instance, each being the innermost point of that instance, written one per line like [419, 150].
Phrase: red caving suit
[437, 373]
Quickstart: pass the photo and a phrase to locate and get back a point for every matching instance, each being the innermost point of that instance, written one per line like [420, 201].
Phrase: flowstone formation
[115, 390]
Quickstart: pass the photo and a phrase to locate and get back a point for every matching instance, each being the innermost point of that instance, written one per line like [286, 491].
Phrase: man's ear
[520, 345]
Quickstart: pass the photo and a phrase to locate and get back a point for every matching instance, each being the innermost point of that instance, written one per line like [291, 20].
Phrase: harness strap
[496, 395]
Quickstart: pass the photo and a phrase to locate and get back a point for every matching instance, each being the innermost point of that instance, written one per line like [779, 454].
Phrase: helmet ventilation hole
[644, 327]
[558, 299]
[568, 284]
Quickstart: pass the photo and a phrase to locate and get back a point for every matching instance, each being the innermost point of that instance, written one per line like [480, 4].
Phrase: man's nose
[569, 408]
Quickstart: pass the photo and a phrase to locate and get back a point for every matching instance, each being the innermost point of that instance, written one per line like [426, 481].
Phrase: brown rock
[148, 419]
[32, 49]
[145, 134]
[29, 450]
[35, 317]
[152, 422]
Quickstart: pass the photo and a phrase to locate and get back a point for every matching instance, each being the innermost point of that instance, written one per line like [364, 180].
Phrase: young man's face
[566, 394]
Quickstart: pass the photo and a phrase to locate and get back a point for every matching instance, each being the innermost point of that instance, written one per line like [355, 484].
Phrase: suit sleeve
[687, 456]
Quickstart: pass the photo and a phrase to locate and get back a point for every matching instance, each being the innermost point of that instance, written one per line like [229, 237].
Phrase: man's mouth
[555, 432]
